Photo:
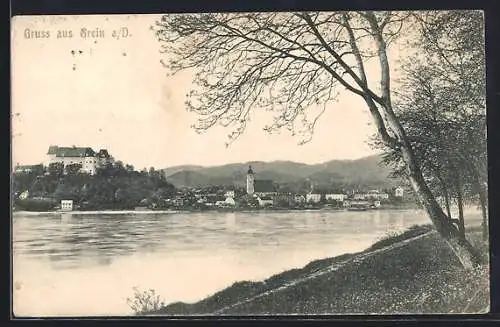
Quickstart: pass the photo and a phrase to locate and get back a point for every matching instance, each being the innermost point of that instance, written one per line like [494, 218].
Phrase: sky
[113, 93]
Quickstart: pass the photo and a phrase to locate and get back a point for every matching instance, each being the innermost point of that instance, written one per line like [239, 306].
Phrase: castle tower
[250, 181]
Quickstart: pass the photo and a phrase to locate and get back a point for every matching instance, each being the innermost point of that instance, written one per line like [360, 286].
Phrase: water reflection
[66, 216]
[106, 237]
[184, 256]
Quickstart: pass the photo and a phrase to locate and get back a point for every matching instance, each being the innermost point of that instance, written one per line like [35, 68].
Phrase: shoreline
[127, 212]
[93, 212]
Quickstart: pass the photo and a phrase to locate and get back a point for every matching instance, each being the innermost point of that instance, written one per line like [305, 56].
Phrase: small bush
[145, 301]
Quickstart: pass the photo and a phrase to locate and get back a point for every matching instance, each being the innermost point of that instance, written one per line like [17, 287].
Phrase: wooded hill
[361, 173]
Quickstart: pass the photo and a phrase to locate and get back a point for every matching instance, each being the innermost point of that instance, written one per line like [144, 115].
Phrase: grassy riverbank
[413, 272]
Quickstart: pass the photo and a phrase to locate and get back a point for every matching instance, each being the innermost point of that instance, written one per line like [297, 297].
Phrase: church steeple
[250, 181]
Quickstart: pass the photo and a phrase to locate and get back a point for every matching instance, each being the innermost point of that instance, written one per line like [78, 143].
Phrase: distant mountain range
[364, 172]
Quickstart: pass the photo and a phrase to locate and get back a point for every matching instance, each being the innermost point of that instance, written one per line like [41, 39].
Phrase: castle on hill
[89, 159]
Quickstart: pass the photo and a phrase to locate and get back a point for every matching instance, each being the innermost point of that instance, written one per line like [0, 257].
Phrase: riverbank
[412, 272]
[223, 210]
[94, 212]
[125, 212]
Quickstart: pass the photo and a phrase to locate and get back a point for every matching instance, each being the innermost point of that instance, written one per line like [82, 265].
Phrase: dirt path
[334, 267]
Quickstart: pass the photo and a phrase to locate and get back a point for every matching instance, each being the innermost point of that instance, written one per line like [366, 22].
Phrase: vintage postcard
[260, 163]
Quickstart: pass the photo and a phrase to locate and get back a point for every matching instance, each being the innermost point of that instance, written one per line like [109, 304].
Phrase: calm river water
[71, 264]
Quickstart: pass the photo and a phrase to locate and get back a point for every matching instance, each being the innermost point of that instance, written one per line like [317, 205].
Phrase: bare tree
[288, 63]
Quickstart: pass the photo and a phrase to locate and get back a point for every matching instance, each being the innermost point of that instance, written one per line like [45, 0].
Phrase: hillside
[364, 172]
[414, 272]
[112, 187]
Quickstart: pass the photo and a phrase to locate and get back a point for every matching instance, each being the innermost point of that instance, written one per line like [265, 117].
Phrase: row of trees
[442, 108]
[115, 185]
[291, 63]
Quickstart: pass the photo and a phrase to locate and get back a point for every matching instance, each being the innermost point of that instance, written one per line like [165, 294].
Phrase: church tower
[250, 181]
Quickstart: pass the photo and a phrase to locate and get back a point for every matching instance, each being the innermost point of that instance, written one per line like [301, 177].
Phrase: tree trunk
[465, 252]
[446, 199]
[460, 204]
[447, 203]
[461, 247]
[480, 185]
[484, 211]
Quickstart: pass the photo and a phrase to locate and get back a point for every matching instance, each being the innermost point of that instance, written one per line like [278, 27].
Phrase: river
[78, 265]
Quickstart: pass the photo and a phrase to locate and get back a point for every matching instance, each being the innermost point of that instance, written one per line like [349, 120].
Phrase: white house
[230, 202]
[66, 205]
[383, 196]
[399, 192]
[336, 197]
[373, 195]
[360, 196]
[178, 201]
[24, 195]
[22, 169]
[265, 201]
[28, 168]
[313, 197]
[299, 198]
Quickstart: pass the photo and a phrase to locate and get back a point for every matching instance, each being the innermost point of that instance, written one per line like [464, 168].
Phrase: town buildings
[265, 187]
[258, 187]
[259, 192]
[28, 168]
[266, 192]
[315, 195]
[371, 195]
[335, 197]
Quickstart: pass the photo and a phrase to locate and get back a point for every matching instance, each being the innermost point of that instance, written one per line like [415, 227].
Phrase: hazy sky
[116, 95]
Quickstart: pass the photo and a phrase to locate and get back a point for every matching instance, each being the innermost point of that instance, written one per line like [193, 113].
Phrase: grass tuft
[145, 301]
